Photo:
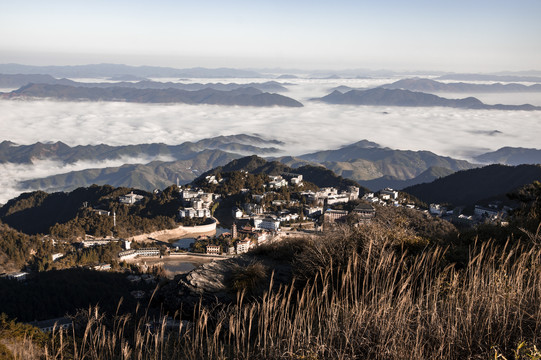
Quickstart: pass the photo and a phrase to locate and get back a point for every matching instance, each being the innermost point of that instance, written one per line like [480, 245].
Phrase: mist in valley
[317, 126]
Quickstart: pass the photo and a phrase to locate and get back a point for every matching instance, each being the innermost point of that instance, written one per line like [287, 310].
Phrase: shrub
[248, 279]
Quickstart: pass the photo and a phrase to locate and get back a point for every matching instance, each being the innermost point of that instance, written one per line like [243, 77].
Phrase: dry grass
[378, 304]
[249, 278]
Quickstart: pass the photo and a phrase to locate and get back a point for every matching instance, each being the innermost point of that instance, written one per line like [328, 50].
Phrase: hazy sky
[458, 35]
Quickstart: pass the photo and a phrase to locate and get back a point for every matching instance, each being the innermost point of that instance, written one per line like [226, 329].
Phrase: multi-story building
[267, 223]
[392, 194]
[277, 182]
[243, 246]
[214, 249]
[338, 199]
[333, 215]
[130, 199]
[194, 213]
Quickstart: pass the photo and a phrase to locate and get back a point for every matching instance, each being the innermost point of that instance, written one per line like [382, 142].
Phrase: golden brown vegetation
[375, 303]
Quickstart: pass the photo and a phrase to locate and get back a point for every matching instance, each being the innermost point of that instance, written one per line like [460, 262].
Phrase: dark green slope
[318, 175]
[471, 186]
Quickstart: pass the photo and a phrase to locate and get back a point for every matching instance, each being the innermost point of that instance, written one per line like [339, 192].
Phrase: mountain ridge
[112, 70]
[59, 151]
[20, 80]
[511, 156]
[248, 96]
[428, 85]
[468, 187]
[397, 97]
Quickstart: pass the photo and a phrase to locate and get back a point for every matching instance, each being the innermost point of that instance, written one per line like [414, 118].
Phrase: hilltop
[511, 156]
[69, 215]
[254, 164]
[247, 96]
[377, 167]
[59, 151]
[427, 85]
[472, 186]
[398, 97]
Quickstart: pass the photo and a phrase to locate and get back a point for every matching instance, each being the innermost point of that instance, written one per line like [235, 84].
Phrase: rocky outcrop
[210, 283]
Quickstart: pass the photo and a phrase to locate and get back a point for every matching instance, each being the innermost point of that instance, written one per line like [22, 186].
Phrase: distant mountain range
[116, 70]
[387, 181]
[159, 174]
[427, 85]
[364, 162]
[58, 151]
[470, 187]
[19, 80]
[376, 167]
[154, 175]
[190, 159]
[248, 96]
[490, 77]
[398, 97]
[511, 156]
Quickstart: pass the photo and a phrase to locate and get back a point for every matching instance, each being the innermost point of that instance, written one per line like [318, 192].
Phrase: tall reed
[380, 304]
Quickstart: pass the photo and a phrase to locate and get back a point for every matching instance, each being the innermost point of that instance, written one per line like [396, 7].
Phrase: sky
[459, 35]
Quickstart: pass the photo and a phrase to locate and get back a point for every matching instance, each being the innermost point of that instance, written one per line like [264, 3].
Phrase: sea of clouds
[316, 126]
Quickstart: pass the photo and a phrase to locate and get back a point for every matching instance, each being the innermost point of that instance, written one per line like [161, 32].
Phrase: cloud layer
[453, 132]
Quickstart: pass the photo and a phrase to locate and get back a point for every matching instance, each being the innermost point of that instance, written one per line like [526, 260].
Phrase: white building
[321, 195]
[262, 238]
[388, 191]
[353, 192]
[19, 276]
[97, 242]
[214, 249]
[338, 199]
[126, 255]
[369, 195]
[253, 209]
[211, 179]
[188, 194]
[436, 209]
[294, 179]
[57, 256]
[313, 211]
[237, 213]
[130, 199]
[481, 211]
[148, 252]
[131, 254]
[243, 246]
[277, 182]
[267, 223]
[194, 213]
[62, 323]
[102, 267]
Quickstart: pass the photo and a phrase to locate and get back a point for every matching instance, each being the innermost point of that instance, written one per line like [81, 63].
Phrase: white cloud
[12, 173]
[445, 131]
